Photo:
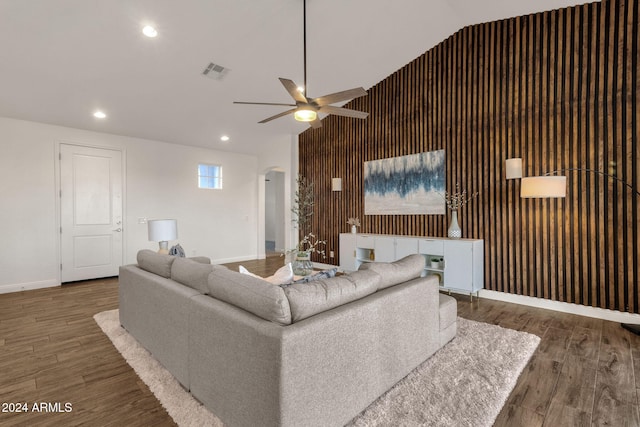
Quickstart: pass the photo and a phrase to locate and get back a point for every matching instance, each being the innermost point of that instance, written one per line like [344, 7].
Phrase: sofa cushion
[307, 299]
[448, 311]
[193, 274]
[393, 273]
[155, 263]
[251, 294]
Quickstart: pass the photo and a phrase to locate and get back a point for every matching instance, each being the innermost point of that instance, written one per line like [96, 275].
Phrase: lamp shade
[513, 168]
[543, 186]
[162, 230]
[336, 184]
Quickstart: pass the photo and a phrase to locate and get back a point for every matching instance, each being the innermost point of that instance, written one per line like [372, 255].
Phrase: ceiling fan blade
[277, 116]
[345, 95]
[292, 88]
[317, 123]
[345, 112]
[264, 103]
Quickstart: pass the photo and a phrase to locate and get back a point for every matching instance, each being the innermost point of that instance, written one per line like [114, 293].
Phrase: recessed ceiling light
[99, 115]
[149, 31]
[224, 138]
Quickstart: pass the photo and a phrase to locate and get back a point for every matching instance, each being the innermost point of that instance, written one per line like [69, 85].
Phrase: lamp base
[164, 248]
[631, 327]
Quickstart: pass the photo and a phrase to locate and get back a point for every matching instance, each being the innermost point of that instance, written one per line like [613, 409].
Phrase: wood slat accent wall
[559, 89]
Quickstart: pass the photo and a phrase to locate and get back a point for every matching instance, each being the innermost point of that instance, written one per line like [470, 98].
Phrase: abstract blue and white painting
[406, 185]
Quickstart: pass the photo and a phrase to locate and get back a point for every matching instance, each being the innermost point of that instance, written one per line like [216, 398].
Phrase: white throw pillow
[243, 270]
[283, 276]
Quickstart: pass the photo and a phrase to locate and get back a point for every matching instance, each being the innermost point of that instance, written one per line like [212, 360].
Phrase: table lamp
[161, 231]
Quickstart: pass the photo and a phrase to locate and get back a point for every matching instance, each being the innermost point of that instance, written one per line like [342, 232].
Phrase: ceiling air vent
[215, 71]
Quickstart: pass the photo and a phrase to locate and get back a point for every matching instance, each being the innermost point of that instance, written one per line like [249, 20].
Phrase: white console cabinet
[457, 262]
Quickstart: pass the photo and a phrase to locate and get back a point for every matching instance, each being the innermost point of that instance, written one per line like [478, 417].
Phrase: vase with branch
[455, 201]
[354, 223]
[309, 243]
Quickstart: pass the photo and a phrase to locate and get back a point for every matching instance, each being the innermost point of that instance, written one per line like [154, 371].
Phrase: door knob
[117, 229]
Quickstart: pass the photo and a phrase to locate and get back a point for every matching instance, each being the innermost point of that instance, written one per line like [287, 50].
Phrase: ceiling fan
[306, 108]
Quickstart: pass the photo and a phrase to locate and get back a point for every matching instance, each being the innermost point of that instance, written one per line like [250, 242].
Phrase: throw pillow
[324, 274]
[243, 270]
[281, 276]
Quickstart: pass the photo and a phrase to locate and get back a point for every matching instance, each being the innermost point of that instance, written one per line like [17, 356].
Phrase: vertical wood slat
[559, 89]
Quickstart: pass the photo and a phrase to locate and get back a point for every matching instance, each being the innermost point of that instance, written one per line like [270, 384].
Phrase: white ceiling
[62, 59]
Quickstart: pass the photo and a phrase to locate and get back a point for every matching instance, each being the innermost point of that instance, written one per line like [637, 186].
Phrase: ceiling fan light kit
[307, 109]
[305, 114]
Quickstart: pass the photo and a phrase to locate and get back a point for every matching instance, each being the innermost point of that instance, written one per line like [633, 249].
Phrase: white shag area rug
[465, 383]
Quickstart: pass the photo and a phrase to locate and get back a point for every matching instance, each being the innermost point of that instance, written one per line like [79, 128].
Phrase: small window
[210, 176]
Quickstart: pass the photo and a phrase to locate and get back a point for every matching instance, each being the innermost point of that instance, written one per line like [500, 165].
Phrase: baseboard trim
[564, 307]
[19, 287]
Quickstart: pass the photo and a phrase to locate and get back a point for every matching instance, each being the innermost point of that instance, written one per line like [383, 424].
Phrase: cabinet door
[348, 252]
[458, 265]
[385, 249]
[406, 246]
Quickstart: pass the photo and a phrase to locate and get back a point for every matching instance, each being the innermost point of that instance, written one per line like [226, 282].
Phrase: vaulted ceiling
[60, 60]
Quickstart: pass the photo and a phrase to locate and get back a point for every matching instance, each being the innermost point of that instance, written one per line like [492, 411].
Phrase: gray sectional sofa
[257, 354]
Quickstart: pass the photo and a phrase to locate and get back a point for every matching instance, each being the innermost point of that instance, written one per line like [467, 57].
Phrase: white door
[90, 212]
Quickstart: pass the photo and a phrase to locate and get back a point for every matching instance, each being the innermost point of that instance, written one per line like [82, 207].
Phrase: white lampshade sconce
[336, 184]
[161, 231]
[513, 168]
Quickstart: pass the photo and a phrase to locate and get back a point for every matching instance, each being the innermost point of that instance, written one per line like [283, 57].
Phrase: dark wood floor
[52, 351]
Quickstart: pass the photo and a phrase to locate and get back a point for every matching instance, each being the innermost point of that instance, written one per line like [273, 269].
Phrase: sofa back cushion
[393, 273]
[155, 263]
[194, 274]
[251, 294]
[307, 299]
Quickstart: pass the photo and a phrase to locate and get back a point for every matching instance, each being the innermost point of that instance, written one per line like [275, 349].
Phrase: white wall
[161, 183]
[281, 156]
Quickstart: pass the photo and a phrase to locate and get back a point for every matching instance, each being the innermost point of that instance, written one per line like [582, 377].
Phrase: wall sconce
[513, 168]
[336, 184]
[161, 231]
